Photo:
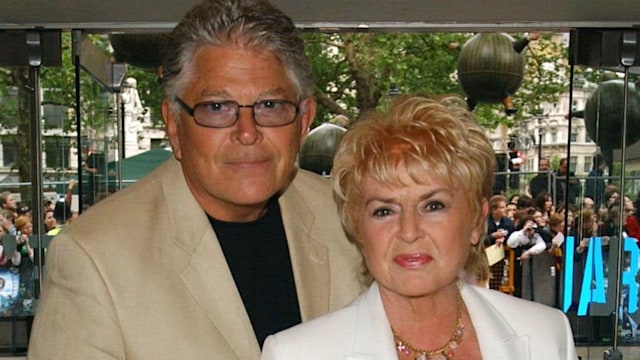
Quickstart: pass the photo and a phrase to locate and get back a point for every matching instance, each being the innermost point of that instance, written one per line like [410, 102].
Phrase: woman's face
[415, 238]
[27, 229]
[540, 218]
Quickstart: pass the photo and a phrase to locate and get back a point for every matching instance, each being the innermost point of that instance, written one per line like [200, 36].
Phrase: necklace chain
[442, 353]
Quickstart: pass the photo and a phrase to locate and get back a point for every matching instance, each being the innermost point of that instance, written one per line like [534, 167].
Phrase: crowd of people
[532, 224]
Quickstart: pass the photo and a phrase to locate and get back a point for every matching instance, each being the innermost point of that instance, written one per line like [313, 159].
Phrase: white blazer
[507, 328]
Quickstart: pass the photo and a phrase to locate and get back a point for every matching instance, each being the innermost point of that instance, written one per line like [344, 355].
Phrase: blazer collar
[371, 324]
[208, 278]
[309, 256]
[497, 339]
[204, 269]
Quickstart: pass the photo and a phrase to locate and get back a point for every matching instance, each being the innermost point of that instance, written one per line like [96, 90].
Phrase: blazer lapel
[309, 257]
[206, 274]
[497, 339]
[209, 280]
[372, 337]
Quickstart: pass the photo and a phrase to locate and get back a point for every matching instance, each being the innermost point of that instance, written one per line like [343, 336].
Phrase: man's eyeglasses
[222, 114]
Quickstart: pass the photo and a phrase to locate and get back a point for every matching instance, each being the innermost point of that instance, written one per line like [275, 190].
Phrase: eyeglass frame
[192, 110]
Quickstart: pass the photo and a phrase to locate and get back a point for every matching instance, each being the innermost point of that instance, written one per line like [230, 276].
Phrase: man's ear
[171, 126]
[308, 113]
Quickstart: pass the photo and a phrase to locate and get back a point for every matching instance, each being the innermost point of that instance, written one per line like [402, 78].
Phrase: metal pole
[76, 36]
[539, 146]
[35, 61]
[121, 137]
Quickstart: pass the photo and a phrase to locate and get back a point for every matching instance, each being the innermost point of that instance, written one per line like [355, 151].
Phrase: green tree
[354, 72]
[58, 84]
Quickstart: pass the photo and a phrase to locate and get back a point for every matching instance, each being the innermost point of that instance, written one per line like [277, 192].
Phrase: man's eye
[270, 105]
[216, 107]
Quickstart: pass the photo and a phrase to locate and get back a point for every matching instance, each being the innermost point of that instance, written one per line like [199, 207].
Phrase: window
[54, 116]
[573, 163]
[587, 138]
[554, 136]
[574, 136]
[10, 150]
[588, 163]
[57, 152]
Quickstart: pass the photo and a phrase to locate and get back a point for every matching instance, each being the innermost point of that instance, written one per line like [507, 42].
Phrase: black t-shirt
[258, 256]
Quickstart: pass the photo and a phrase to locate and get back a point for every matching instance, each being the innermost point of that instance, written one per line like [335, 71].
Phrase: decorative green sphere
[604, 114]
[319, 148]
[489, 68]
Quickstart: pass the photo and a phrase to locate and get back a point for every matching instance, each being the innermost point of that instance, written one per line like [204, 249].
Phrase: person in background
[6, 221]
[588, 203]
[227, 241]
[420, 223]
[544, 202]
[49, 221]
[526, 239]
[525, 202]
[573, 189]
[541, 181]
[633, 221]
[511, 210]
[595, 185]
[499, 227]
[25, 258]
[8, 202]
[556, 225]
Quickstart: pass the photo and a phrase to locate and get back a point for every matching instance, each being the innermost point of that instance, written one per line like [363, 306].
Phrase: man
[573, 189]
[499, 227]
[227, 242]
[540, 182]
[595, 181]
[8, 202]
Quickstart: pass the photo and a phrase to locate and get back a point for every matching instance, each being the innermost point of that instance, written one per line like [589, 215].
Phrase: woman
[412, 189]
[544, 202]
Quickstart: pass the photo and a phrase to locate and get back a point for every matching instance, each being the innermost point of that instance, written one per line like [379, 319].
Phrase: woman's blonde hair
[417, 134]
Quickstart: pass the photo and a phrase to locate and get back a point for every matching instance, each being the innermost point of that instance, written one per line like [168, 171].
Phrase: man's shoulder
[128, 211]
[312, 185]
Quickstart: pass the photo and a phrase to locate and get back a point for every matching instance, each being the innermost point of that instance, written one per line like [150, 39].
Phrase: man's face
[562, 168]
[500, 210]
[544, 165]
[233, 171]
[10, 204]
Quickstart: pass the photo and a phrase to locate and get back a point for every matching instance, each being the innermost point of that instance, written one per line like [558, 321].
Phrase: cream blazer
[141, 275]
[508, 328]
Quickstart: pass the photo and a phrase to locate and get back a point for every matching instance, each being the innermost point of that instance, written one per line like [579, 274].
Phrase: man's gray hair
[255, 24]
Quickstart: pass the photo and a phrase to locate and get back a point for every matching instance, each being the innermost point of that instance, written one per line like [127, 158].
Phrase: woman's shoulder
[317, 337]
[332, 335]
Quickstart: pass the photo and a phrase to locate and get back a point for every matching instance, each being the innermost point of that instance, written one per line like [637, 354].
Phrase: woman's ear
[479, 230]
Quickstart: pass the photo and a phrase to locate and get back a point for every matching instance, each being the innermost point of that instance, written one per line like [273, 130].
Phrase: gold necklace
[442, 353]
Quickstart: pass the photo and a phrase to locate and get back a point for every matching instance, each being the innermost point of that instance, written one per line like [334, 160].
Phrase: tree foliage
[58, 87]
[354, 72]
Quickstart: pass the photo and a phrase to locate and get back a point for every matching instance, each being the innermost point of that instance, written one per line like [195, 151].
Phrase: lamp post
[540, 136]
[542, 126]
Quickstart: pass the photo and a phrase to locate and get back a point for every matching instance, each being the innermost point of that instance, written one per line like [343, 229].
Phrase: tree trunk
[23, 136]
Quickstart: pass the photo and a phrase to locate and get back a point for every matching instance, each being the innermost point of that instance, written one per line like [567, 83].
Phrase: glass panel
[99, 145]
[606, 197]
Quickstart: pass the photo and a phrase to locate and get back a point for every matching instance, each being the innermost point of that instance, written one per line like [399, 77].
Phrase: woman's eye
[381, 212]
[434, 205]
